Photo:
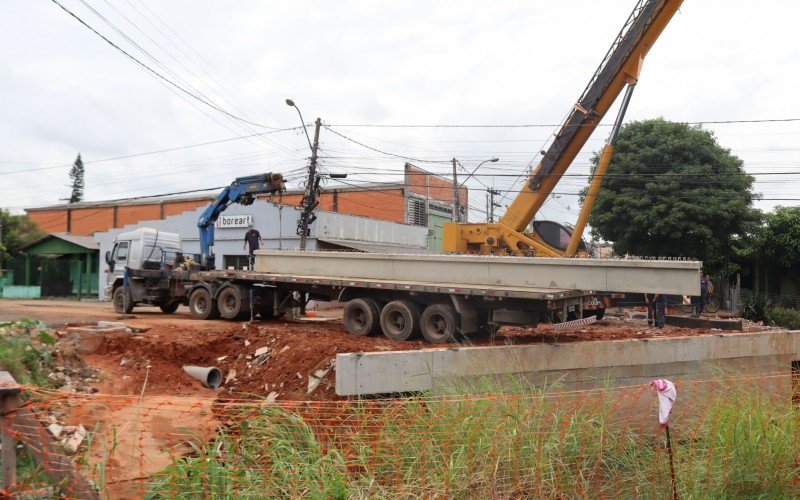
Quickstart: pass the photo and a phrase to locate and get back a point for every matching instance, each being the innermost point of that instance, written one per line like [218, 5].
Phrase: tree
[76, 176]
[16, 231]
[672, 191]
[777, 243]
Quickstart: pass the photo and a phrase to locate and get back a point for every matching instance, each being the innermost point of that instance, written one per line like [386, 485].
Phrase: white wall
[278, 228]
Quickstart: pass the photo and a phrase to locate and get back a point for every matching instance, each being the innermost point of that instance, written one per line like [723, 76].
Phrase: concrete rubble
[319, 374]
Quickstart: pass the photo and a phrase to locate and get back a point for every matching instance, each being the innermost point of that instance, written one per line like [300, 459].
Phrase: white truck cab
[143, 248]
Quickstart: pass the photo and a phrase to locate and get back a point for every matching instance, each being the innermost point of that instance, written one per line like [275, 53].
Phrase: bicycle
[712, 305]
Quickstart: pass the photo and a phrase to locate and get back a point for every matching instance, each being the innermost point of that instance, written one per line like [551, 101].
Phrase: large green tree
[76, 175]
[671, 190]
[16, 231]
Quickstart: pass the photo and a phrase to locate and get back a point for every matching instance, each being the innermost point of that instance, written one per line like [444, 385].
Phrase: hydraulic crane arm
[242, 191]
[620, 67]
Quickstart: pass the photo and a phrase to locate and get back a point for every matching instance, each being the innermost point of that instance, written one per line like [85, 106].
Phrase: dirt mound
[259, 358]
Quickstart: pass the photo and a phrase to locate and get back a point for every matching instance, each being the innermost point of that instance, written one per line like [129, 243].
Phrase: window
[441, 209]
[234, 261]
[121, 252]
[416, 212]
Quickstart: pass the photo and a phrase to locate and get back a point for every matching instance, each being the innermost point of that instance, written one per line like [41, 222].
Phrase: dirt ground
[289, 350]
[273, 359]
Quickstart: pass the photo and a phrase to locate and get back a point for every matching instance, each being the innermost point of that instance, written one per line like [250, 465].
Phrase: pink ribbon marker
[666, 399]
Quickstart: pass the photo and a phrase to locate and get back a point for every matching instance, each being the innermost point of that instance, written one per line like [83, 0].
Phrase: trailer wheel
[231, 304]
[169, 307]
[362, 317]
[202, 306]
[439, 323]
[118, 299]
[400, 320]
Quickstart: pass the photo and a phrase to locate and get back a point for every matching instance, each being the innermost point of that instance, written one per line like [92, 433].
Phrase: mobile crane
[242, 191]
[619, 70]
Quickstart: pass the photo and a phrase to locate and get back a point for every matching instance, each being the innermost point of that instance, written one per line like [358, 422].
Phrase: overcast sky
[65, 90]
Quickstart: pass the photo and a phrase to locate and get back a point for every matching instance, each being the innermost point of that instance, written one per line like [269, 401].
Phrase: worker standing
[252, 238]
[704, 285]
[661, 309]
[649, 299]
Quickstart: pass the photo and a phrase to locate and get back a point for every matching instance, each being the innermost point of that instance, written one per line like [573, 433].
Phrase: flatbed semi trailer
[406, 298]
[400, 309]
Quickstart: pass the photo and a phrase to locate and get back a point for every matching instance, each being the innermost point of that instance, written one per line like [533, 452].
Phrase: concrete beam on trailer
[610, 275]
[574, 366]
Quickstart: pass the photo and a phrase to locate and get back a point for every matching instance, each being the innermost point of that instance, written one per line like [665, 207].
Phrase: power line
[157, 74]
[157, 151]
[419, 160]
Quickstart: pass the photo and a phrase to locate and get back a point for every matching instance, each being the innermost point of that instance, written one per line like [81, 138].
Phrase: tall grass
[740, 444]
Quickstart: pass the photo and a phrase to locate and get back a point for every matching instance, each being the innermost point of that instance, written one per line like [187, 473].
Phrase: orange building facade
[418, 200]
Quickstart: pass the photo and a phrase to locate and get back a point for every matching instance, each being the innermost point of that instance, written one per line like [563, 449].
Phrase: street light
[457, 186]
[490, 160]
[291, 103]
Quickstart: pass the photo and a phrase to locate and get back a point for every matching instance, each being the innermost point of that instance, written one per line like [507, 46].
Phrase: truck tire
[400, 320]
[169, 307]
[202, 306]
[362, 317]
[231, 304]
[439, 323]
[118, 299]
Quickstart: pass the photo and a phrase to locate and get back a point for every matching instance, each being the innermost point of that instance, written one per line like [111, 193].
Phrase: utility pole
[455, 193]
[491, 194]
[312, 186]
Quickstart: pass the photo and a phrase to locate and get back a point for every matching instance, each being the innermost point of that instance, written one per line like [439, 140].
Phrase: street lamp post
[309, 197]
[457, 187]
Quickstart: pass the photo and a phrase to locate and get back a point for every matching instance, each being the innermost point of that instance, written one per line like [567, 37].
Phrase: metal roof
[87, 242]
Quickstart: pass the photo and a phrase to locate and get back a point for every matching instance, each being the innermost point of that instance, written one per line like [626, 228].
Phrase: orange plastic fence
[730, 436]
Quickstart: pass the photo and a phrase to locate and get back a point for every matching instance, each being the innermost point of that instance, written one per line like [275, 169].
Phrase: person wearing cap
[252, 238]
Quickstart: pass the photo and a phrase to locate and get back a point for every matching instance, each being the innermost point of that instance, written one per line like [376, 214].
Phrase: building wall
[85, 221]
[384, 204]
[426, 184]
[50, 221]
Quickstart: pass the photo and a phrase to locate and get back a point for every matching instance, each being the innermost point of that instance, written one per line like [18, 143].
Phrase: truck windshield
[120, 252]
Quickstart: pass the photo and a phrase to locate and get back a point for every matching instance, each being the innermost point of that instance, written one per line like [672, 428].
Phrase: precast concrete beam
[571, 366]
[610, 275]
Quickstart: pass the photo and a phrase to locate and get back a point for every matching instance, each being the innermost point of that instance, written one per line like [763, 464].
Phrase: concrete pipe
[209, 376]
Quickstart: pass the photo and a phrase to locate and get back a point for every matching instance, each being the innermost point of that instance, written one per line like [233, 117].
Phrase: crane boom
[620, 67]
[242, 191]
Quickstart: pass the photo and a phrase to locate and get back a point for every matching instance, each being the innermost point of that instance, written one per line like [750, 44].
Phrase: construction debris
[74, 440]
[319, 375]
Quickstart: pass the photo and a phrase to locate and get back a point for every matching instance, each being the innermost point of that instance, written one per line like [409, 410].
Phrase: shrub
[755, 307]
[785, 317]
[24, 351]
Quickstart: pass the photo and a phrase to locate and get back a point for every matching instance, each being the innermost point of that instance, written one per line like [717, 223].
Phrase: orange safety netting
[730, 436]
